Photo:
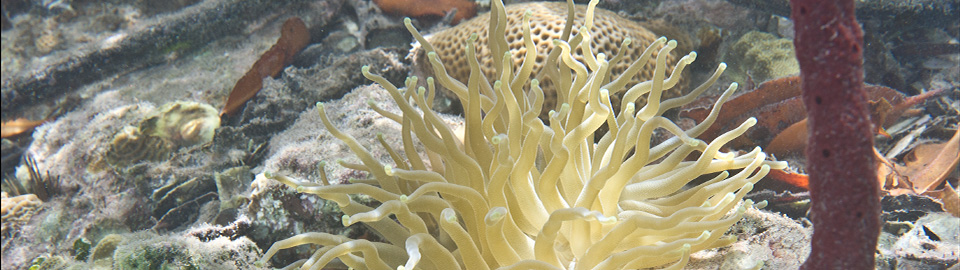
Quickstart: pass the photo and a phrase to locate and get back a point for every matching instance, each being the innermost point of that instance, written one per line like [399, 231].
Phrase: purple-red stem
[844, 191]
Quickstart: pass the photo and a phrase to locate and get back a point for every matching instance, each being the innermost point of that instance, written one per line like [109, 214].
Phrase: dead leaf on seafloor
[781, 118]
[791, 139]
[949, 199]
[928, 165]
[294, 36]
[19, 126]
[796, 179]
[774, 103]
[426, 8]
[778, 107]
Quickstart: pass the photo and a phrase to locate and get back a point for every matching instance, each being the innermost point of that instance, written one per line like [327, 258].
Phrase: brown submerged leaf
[781, 119]
[779, 110]
[925, 168]
[466, 9]
[949, 198]
[293, 37]
[18, 126]
[775, 104]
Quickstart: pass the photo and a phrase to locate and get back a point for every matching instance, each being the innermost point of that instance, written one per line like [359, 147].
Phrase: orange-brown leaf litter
[429, 8]
[18, 126]
[781, 127]
[293, 37]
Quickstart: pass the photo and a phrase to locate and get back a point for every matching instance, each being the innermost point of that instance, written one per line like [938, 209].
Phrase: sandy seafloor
[147, 204]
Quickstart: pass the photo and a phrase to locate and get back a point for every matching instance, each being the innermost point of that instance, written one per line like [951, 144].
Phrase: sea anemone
[517, 193]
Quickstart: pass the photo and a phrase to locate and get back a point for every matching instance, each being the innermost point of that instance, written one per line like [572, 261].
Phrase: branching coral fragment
[518, 193]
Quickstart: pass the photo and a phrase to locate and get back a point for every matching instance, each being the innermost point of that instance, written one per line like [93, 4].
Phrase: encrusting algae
[517, 193]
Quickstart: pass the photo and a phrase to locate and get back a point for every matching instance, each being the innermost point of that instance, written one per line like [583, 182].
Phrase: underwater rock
[283, 100]
[117, 199]
[114, 198]
[147, 45]
[762, 56]
[48, 38]
[299, 150]
[184, 214]
[58, 150]
[933, 13]
[106, 247]
[236, 229]
[330, 76]
[770, 238]
[293, 37]
[278, 212]
[232, 185]
[907, 207]
[155, 7]
[148, 250]
[178, 202]
[932, 243]
[72, 147]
